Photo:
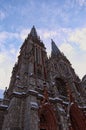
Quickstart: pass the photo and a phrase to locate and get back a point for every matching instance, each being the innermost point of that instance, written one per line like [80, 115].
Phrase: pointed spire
[55, 50]
[33, 32]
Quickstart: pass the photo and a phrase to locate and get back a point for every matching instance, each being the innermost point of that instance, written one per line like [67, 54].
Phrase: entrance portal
[77, 118]
[47, 118]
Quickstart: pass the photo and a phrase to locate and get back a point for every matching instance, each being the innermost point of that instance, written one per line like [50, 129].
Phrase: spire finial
[33, 32]
[55, 50]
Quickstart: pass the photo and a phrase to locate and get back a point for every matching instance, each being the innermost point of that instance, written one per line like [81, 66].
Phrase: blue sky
[62, 20]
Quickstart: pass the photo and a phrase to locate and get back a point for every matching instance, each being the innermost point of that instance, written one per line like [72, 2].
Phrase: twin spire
[55, 50]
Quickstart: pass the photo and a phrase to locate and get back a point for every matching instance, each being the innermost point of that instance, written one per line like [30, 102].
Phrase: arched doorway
[47, 118]
[77, 118]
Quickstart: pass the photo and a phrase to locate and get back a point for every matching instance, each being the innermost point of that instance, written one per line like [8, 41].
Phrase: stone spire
[33, 32]
[55, 50]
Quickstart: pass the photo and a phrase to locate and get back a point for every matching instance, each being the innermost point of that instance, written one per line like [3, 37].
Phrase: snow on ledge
[3, 105]
[31, 90]
[34, 105]
[19, 93]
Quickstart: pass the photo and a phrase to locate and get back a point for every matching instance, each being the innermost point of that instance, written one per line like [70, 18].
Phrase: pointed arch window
[47, 118]
[61, 86]
[38, 58]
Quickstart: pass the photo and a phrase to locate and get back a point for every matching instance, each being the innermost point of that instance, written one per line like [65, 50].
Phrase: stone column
[31, 113]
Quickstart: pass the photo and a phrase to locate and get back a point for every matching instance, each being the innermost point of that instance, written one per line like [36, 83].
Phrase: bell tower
[31, 63]
[28, 74]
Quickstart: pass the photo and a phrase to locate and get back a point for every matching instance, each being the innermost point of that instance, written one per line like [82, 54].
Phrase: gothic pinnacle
[33, 32]
[55, 50]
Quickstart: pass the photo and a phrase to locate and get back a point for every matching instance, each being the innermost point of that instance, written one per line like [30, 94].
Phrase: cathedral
[44, 92]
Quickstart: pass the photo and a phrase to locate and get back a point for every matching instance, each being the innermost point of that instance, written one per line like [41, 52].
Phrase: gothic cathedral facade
[44, 93]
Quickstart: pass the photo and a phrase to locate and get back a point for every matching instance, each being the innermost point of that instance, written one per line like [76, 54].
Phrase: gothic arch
[61, 85]
[77, 118]
[47, 118]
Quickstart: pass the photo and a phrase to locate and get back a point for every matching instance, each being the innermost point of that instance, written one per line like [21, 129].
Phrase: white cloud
[78, 60]
[7, 35]
[23, 34]
[49, 34]
[67, 48]
[80, 67]
[3, 36]
[78, 36]
[2, 57]
[46, 34]
[8, 54]
[6, 64]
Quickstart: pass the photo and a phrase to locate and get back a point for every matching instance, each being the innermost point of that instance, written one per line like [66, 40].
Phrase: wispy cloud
[78, 37]
[8, 54]
[81, 2]
[6, 64]
[4, 35]
[2, 15]
[77, 59]
[23, 34]
[67, 48]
